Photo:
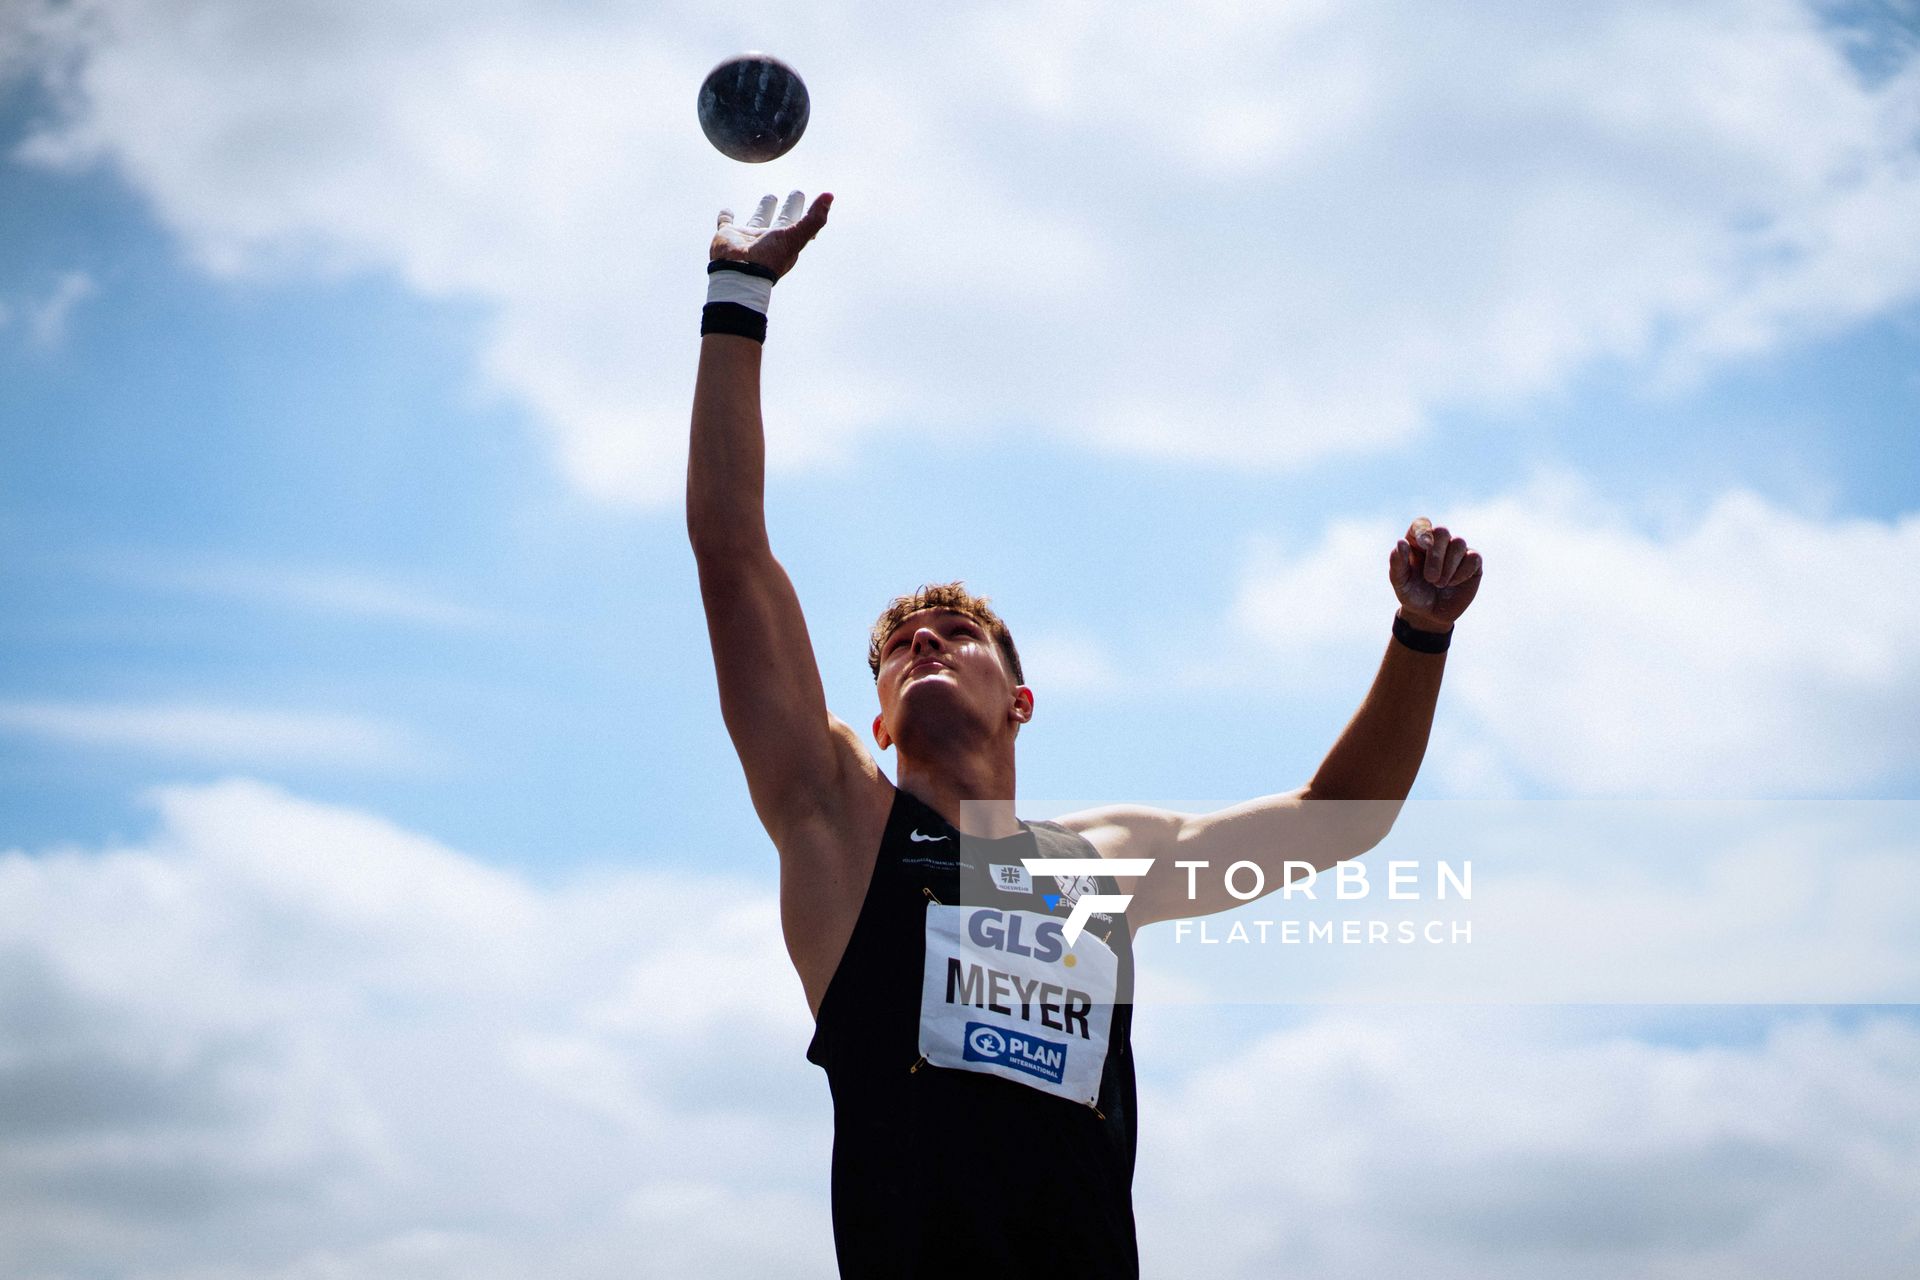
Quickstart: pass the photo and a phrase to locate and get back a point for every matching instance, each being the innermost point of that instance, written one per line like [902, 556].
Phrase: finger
[816, 218]
[790, 211]
[1469, 567]
[763, 214]
[1437, 555]
[1400, 566]
[1417, 531]
[1416, 560]
[726, 220]
[1456, 552]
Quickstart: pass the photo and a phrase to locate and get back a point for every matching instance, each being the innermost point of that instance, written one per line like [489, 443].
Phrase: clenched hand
[1435, 574]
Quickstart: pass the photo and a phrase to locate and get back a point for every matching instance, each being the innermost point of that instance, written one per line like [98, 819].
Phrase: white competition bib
[1004, 994]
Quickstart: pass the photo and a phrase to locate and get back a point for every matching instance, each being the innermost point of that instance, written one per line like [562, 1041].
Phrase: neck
[974, 793]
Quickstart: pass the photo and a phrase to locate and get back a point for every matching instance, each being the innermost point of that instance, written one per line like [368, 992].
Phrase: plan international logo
[1019, 1050]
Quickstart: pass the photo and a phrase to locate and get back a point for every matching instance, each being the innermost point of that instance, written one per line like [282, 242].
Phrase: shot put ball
[753, 107]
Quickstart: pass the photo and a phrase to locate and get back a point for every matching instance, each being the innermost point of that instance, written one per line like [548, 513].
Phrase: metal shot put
[753, 108]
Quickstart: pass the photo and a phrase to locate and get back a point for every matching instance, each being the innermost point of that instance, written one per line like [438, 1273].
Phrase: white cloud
[1256, 235]
[322, 590]
[24, 35]
[45, 317]
[1748, 650]
[1594, 901]
[218, 734]
[284, 1039]
[1068, 662]
[1487, 1149]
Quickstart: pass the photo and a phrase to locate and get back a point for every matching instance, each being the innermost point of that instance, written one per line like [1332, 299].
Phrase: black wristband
[1421, 641]
[744, 268]
[734, 318]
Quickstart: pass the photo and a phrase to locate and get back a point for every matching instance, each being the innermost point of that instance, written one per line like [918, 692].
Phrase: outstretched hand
[769, 241]
[1435, 574]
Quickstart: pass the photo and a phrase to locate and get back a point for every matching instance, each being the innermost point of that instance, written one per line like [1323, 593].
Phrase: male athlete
[979, 1058]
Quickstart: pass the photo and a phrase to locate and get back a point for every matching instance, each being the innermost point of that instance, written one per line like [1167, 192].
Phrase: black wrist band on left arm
[732, 317]
[1421, 641]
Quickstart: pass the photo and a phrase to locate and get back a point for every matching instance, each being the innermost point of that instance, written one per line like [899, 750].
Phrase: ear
[1022, 704]
[880, 733]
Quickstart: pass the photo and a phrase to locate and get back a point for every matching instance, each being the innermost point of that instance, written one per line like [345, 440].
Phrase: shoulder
[856, 762]
[845, 819]
[858, 789]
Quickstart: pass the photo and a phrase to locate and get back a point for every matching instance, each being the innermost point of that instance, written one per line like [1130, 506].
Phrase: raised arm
[799, 761]
[1354, 796]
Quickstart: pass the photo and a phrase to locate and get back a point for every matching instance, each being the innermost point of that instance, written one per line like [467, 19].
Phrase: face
[941, 671]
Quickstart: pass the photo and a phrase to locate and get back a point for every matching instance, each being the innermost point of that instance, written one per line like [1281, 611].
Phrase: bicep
[795, 755]
[1270, 832]
[1281, 835]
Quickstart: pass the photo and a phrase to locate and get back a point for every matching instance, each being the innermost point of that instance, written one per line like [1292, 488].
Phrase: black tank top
[1017, 1158]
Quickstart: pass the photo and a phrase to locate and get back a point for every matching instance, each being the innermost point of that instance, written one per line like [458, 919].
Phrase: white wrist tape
[737, 286]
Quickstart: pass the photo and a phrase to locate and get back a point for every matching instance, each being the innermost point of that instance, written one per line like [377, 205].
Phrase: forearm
[726, 456]
[1378, 755]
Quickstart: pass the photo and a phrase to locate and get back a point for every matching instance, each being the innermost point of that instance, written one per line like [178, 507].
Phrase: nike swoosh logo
[916, 836]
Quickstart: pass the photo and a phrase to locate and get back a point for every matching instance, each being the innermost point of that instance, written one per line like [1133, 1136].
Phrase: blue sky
[344, 366]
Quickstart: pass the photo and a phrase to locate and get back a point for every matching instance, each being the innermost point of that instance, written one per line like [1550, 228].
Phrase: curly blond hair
[944, 595]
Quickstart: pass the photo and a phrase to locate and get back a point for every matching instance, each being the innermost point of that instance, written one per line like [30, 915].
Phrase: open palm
[770, 241]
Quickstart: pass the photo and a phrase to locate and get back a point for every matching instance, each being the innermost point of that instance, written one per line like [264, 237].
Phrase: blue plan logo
[1044, 1058]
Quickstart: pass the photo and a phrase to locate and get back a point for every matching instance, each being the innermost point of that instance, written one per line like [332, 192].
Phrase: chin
[932, 713]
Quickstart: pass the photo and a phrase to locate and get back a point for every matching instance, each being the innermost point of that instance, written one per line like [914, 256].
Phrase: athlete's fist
[1435, 574]
[770, 241]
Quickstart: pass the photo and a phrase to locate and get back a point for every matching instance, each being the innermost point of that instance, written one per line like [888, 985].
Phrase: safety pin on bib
[921, 1061]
